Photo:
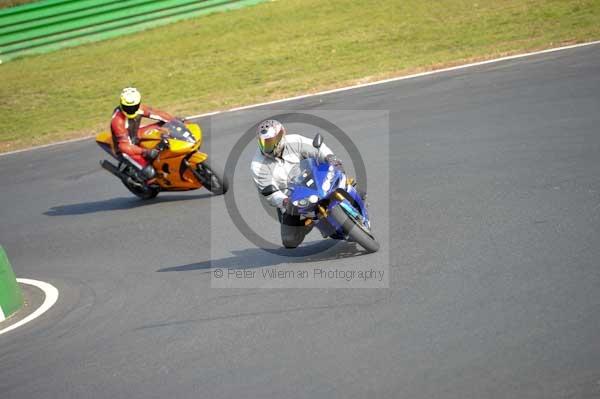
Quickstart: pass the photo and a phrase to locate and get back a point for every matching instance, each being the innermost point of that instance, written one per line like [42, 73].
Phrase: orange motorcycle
[180, 166]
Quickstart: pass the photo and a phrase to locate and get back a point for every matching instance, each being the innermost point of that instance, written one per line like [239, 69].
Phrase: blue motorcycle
[320, 193]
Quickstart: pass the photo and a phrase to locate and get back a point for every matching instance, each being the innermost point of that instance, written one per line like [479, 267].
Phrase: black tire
[354, 229]
[210, 179]
[144, 193]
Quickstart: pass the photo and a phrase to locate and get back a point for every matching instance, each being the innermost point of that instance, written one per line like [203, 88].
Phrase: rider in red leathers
[125, 128]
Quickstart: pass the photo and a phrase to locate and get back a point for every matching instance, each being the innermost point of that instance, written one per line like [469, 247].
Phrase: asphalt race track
[493, 241]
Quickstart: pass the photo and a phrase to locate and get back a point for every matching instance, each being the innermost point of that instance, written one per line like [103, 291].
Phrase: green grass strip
[86, 21]
[7, 7]
[273, 50]
[11, 298]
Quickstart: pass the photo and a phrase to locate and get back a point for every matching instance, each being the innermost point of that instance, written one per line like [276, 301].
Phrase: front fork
[345, 200]
[192, 164]
[323, 211]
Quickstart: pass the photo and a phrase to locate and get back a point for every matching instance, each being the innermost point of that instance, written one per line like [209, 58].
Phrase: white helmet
[270, 133]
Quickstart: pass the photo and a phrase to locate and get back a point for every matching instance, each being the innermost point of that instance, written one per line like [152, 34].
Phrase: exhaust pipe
[112, 169]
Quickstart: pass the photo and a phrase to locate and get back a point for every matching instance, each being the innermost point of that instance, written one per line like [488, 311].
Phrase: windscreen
[301, 174]
[177, 130]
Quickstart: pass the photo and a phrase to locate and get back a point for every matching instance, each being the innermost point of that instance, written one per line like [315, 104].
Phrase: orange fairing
[173, 175]
[150, 138]
[197, 132]
[174, 164]
[104, 137]
[105, 141]
[198, 157]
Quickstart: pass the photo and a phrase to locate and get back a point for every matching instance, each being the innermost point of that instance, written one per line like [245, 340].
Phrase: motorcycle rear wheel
[144, 193]
[354, 229]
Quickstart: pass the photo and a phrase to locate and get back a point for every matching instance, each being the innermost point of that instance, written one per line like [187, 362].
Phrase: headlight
[304, 202]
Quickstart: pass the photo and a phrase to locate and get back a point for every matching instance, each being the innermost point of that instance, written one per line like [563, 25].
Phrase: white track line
[39, 147]
[379, 82]
[51, 296]
[399, 78]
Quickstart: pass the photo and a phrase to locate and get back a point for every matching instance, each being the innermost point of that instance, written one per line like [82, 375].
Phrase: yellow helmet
[130, 101]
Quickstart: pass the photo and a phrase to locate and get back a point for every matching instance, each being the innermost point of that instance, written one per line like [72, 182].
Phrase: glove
[288, 207]
[333, 161]
[150, 155]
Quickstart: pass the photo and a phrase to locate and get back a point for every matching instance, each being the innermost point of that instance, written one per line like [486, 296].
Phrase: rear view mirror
[317, 141]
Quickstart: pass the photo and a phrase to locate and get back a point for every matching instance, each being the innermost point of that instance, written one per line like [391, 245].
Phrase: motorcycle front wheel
[210, 179]
[355, 230]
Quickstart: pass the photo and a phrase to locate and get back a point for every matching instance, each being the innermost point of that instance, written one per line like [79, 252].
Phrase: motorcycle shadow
[116, 204]
[257, 257]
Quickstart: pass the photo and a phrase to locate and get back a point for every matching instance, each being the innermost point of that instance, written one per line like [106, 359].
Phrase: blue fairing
[312, 183]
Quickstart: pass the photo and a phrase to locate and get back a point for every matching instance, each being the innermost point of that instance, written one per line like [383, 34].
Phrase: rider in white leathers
[276, 155]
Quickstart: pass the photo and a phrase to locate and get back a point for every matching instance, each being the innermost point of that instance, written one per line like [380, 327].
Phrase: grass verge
[271, 51]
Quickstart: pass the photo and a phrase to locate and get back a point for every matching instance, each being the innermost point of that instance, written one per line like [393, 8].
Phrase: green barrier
[11, 298]
[53, 24]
